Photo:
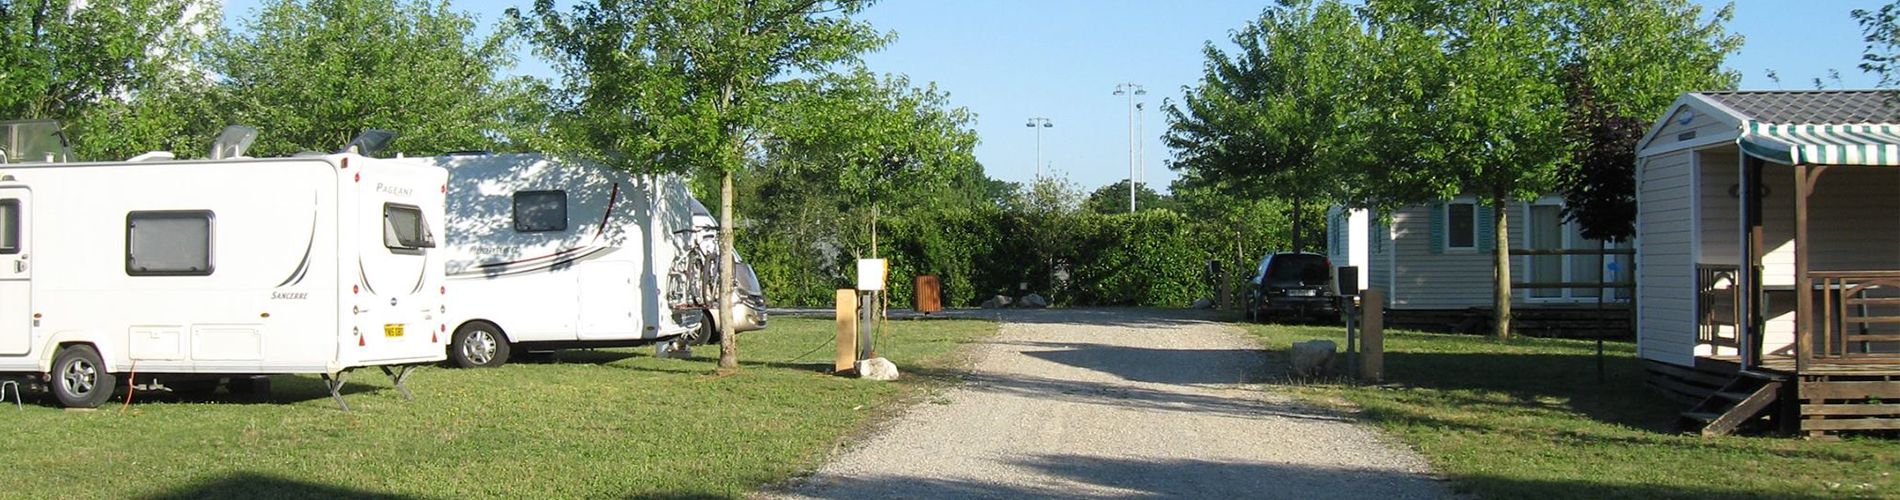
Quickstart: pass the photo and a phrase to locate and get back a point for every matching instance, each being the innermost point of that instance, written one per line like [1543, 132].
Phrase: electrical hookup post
[860, 315]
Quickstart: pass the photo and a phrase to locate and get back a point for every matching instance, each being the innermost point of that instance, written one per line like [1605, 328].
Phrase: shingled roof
[1812, 106]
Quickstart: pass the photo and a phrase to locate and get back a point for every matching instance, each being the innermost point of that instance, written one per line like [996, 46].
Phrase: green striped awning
[1861, 144]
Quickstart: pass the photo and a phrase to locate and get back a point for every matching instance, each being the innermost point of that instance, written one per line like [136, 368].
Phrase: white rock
[1312, 358]
[997, 302]
[1203, 303]
[1033, 300]
[877, 369]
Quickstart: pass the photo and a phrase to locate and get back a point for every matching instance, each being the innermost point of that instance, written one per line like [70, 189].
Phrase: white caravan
[548, 254]
[187, 272]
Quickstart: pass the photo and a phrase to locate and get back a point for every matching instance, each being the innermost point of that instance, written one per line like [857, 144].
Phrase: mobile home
[1434, 264]
[204, 269]
[1769, 253]
[548, 254]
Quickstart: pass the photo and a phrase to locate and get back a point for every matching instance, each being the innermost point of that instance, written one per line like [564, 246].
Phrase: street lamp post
[1039, 123]
[1141, 142]
[1131, 90]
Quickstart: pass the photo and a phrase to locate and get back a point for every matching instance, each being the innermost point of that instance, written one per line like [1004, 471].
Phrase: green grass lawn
[614, 423]
[1528, 419]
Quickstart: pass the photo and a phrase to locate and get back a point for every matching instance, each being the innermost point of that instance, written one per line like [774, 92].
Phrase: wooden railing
[1854, 319]
[1718, 305]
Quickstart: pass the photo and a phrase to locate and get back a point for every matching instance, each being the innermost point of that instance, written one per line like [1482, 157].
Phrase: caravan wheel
[80, 379]
[477, 345]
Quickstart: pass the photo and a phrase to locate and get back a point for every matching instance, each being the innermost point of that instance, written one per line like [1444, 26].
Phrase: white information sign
[871, 273]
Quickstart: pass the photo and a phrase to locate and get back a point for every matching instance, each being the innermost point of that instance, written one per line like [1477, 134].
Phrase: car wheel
[80, 379]
[478, 345]
[708, 332]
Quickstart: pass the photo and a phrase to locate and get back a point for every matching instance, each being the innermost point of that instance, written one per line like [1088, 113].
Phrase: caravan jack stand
[400, 375]
[336, 384]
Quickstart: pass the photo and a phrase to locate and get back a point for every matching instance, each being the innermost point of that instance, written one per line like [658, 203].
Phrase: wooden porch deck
[1825, 398]
[1784, 365]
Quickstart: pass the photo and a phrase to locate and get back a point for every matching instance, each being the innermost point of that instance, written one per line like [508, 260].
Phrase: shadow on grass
[246, 485]
[1540, 382]
[1130, 317]
[284, 389]
[1084, 476]
[1151, 365]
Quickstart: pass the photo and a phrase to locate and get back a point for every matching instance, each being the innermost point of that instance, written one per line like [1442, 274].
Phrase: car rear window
[1294, 267]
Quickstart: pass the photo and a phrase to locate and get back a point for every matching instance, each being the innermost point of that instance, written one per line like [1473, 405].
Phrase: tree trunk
[1501, 265]
[1299, 223]
[728, 340]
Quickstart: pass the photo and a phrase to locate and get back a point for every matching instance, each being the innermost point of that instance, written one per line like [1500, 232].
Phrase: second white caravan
[546, 254]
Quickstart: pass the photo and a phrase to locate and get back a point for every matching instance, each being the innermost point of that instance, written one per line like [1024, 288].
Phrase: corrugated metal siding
[1456, 279]
[1665, 264]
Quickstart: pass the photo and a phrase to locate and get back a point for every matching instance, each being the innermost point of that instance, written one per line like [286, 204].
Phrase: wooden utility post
[1372, 336]
[847, 341]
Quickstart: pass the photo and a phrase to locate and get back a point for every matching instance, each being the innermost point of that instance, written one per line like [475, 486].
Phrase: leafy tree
[1476, 109]
[67, 59]
[1266, 119]
[311, 74]
[1881, 29]
[1478, 101]
[844, 146]
[871, 142]
[1626, 62]
[686, 85]
[1113, 199]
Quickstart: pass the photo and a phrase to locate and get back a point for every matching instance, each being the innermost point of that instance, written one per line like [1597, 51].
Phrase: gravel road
[1120, 404]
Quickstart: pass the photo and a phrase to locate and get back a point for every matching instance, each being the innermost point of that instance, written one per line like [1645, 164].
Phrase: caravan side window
[405, 229]
[9, 227]
[538, 211]
[168, 243]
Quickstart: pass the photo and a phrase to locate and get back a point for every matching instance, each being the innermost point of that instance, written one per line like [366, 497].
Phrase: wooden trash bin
[929, 295]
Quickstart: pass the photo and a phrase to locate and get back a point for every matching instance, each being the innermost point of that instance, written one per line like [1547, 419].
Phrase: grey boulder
[1312, 358]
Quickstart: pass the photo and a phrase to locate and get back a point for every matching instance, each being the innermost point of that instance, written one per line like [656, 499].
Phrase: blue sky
[1010, 60]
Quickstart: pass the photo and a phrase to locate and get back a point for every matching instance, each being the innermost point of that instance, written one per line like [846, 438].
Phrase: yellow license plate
[392, 330]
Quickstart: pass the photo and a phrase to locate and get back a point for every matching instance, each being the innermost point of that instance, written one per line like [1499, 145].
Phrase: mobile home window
[538, 211]
[9, 227]
[168, 243]
[405, 229]
[1461, 225]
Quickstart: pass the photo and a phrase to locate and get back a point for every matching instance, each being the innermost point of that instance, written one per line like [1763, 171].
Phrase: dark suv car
[1290, 284]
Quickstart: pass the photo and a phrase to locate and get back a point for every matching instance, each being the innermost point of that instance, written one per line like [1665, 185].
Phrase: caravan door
[16, 276]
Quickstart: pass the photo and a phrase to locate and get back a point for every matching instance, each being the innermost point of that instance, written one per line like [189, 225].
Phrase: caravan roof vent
[232, 142]
[370, 142]
[154, 156]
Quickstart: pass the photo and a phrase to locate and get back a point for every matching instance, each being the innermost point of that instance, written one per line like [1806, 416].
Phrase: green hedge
[1149, 258]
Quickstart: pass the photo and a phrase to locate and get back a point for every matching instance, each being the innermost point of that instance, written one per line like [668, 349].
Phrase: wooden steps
[1684, 385]
[1741, 401]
